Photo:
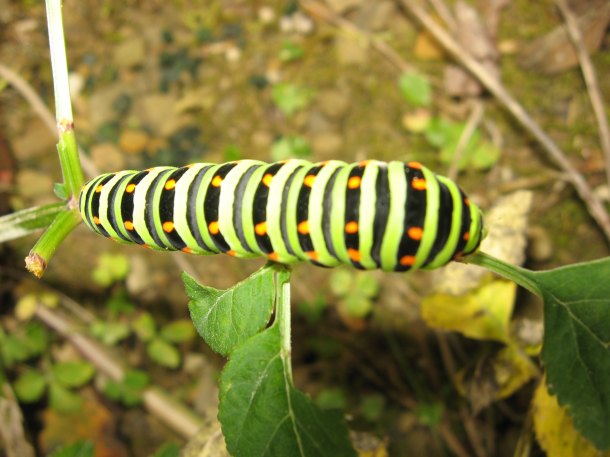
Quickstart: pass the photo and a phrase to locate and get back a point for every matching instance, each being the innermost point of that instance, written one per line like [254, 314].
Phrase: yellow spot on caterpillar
[363, 163]
[130, 188]
[273, 256]
[303, 227]
[351, 227]
[190, 165]
[415, 233]
[418, 184]
[354, 255]
[231, 253]
[458, 256]
[145, 246]
[466, 201]
[170, 184]
[96, 220]
[98, 189]
[216, 181]
[309, 179]
[466, 236]
[168, 226]
[415, 165]
[186, 250]
[261, 228]
[407, 260]
[213, 227]
[313, 255]
[267, 179]
[129, 225]
[354, 182]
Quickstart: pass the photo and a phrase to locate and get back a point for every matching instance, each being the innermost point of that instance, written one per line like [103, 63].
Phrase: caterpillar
[395, 216]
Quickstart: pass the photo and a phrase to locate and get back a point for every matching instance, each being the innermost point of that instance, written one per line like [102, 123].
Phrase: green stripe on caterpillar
[395, 216]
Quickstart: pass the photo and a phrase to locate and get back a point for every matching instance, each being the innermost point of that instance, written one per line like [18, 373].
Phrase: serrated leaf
[72, 374]
[78, 449]
[415, 88]
[178, 331]
[482, 314]
[63, 400]
[144, 326]
[262, 414]
[30, 386]
[576, 348]
[554, 429]
[226, 318]
[163, 353]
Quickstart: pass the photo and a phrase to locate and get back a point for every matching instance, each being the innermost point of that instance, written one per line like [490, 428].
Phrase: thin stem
[67, 147]
[25, 221]
[59, 63]
[517, 274]
[283, 310]
[590, 77]
[38, 258]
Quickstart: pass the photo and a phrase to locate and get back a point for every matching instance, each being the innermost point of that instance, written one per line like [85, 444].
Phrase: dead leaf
[482, 314]
[554, 428]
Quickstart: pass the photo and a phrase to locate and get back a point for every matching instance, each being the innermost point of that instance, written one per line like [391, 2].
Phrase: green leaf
[111, 268]
[163, 353]
[429, 414]
[231, 153]
[331, 399]
[129, 391]
[372, 407]
[415, 88]
[22, 223]
[73, 374]
[178, 331]
[63, 400]
[30, 386]
[341, 282]
[262, 414]
[60, 191]
[576, 345]
[576, 351]
[110, 333]
[357, 306]
[290, 51]
[290, 98]
[226, 318]
[144, 326]
[77, 449]
[367, 284]
[290, 147]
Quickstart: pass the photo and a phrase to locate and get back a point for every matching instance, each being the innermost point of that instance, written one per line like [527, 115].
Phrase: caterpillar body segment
[395, 216]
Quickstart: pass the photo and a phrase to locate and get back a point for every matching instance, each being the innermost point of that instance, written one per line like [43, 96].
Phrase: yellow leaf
[512, 368]
[555, 431]
[26, 307]
[482, 314]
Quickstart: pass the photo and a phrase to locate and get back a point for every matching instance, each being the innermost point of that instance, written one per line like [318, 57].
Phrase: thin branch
[322, 11]
[590, 77]
[27, 92]
[593, 203]
[169, 411]
[473, 121]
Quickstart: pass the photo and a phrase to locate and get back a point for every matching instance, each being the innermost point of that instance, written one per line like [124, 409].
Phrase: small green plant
[60, 380]
[130, 389]
[290, 98]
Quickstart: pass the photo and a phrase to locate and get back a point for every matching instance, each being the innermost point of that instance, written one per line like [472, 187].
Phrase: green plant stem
[25, 221]
[38, 258]
[67, 147]
[517, 274]
[283, 310]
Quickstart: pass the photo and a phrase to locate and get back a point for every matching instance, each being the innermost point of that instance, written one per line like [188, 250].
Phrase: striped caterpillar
[395, 216]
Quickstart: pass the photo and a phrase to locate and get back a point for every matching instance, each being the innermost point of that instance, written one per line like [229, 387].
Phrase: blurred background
[176, 82]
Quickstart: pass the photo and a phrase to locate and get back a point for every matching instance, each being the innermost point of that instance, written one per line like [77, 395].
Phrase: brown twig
[320, 10]
[474, 119]
[590, 77]
[169, 411]
[450, 44]
[12, 433]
